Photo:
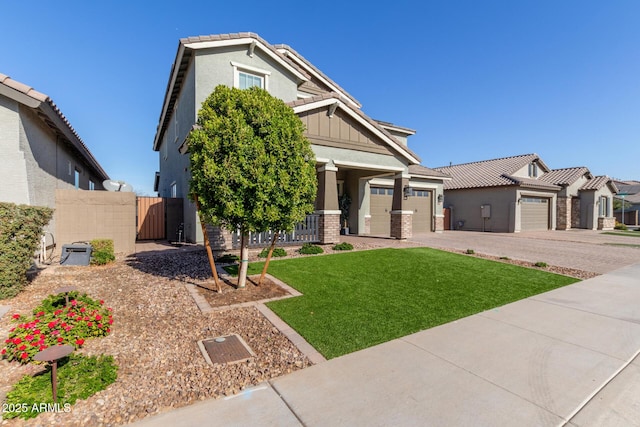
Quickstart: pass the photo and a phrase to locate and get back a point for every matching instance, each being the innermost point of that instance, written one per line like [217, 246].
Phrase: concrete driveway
[580, 249]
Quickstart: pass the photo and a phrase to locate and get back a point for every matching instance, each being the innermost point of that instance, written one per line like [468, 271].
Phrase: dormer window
[533, 170]
[245, 76]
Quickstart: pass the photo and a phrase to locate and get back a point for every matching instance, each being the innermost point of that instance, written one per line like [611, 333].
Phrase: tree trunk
[266, 263]
[244, 259]
[207, 245]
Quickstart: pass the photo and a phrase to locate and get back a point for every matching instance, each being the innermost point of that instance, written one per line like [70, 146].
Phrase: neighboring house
[41, 152]
[367, 159]
[629, 191]
[521, 193]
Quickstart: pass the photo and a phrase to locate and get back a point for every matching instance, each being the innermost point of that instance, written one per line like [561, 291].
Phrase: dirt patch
[232, 295]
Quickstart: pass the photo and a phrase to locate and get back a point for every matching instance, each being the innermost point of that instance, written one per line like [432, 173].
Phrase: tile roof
[52, 113]
[566, 176]
[493, 173]
[424, 171]
[598, 182]
[338, 97]
[289, 50]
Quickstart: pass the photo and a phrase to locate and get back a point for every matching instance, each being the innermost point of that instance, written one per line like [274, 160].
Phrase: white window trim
[173, 190]
[238, 68]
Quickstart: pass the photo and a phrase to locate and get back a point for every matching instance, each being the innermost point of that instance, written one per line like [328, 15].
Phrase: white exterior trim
[328, 212]
[239, 67]
[367, 166]
[401, 212]
[322, 160]
[248, 41]
[311, 71]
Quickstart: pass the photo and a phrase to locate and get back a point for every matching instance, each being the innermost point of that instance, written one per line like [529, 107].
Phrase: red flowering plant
[54, 323]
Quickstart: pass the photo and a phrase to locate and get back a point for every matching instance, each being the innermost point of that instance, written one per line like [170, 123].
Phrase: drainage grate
[225, 349]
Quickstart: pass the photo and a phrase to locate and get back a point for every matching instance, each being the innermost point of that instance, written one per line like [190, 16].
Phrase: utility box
[76, 254]
[485, 210]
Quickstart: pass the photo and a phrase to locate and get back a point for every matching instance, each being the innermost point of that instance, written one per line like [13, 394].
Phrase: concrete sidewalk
[564, 357]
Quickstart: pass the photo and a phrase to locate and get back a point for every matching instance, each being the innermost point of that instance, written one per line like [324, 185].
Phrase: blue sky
[476, 79]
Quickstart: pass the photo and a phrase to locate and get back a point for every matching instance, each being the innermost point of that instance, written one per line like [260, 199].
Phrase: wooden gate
[447, 218]
[151, 218]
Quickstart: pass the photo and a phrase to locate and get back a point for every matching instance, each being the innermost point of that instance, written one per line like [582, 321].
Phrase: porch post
[401, 220]
[327, 205]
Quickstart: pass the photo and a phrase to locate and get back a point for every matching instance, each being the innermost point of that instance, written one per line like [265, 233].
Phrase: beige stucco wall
[86, 215]
[465, 206]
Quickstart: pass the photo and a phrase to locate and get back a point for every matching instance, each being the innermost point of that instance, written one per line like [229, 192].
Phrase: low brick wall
[606, 223]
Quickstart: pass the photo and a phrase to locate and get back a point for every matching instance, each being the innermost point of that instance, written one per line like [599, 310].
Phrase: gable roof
[565, 176]
[51, 115]
[494, 173]
[598, 182]
[420, 171]
[186, 47]
[335, 99]
[311, 69]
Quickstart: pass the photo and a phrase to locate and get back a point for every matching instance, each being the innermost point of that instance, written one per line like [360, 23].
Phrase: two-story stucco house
[521, 193]
[392, 194]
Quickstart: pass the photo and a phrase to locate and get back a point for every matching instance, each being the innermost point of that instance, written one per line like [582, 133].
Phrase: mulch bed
[232, 295]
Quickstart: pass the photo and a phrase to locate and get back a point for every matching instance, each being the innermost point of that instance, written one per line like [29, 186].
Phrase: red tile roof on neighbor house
[494, 173]
[49, 112]
[566, 176]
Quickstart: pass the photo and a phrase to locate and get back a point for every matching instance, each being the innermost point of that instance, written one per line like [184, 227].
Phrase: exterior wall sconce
[440, 198]
[406, 192]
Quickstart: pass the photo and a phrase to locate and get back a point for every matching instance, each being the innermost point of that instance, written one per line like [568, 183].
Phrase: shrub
[20, 231]
[277, 252]
[228, 259]
[102, 252]
[344, 246]
[79, 377]
[620, 226]
[540, 264]
[54, 324]
[310, 249]
[470, 252]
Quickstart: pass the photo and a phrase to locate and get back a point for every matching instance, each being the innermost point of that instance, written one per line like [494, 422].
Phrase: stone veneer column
[367, 224]
[575, 212]
[220, 238]
[564, 213]
[327, 205]
[606, 223]
[401, 220]
[439, 225]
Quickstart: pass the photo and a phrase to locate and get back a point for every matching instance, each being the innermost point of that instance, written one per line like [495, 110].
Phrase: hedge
[20, 232]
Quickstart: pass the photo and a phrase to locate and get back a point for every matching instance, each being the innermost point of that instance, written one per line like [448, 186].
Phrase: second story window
[92, 186]
[533, 170]
[245, 76]
[246, 80]
[76, 178]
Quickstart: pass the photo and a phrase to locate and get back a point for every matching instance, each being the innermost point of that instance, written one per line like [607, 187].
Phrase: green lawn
[628, 233]
[355, 300]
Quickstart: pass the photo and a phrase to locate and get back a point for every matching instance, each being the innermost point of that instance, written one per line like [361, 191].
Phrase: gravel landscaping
[154, 340]
[156, 328]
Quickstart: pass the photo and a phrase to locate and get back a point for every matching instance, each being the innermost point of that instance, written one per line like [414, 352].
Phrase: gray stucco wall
[465, 206]
[13, 170]
[214, 68]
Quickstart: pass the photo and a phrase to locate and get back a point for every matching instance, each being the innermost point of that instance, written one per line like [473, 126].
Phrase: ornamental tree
[252, 169]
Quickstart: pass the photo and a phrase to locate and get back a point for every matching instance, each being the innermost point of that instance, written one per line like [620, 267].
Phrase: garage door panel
[534, 213]
[420, 204]
[380, 206]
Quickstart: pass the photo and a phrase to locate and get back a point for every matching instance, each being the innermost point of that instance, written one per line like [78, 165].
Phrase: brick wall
[439, 223]
[219, 238]
[606, 223]
[564, 213]
[575, 212]
[329, 228]
[401, 225]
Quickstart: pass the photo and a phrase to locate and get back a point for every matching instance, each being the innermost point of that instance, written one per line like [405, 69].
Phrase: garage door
[380, 205]
[420, 204]
[534, 213]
